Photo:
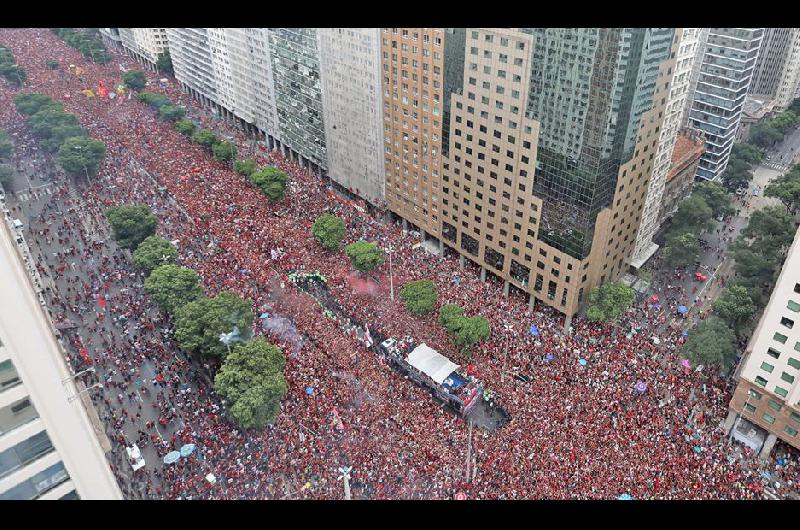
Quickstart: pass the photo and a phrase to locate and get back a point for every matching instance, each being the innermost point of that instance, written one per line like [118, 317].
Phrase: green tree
[693, 215]
[185, 127]
[153, 252]
[471, 331]
[420, 296]
[608, 301]
[52, 64]
[328, 230]
[43, 122]
[154, 100]
[134, 79]
[6, 174]
[81, 155]
[173, 287]
[747, 153]
[131, 224]
[711, 343]
[795, 106]
[171, 112]
[223, 151]
[734, 306]
[32, 102]
[682, 249]
[271, 181]
[364, 256]
[764, 134]
[771, 231]
[737, 175]
[60, 133]
[164, 63]
[716, 197]
[786, 189]
[451, 317]
[252, 383]
[752, 269]
[199, 324]
[14, 73]
[205, 138]
[245, 167]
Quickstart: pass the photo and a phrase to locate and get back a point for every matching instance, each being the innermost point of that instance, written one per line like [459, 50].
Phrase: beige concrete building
[767, 397]
[492, 212]
[49, 448]
[777, 72]
[685, 41]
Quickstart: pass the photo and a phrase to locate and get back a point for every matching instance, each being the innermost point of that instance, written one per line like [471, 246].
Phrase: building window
[794, 363]
[793, 306]
[787, 377]
[9, 377]
[788, 322]
[753, 394]
[769, 419]
[772, 352]
[782, 392]
[761, 381]
[767, 367]
[774, 405]
[790, 431]
[749, 408]
[795, 417]
[780, 338]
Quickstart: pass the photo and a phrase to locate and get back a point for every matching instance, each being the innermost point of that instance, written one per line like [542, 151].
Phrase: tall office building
[685, 41]
[767, 397]
[777, 73]
[190, 50]
[298, 94]
[570, 194]
[421, 67]
[725, 73]
[145, 44]
[350, 69]
[48, 448]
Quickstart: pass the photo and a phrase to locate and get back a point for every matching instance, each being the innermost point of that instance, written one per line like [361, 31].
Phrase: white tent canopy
[432, 363]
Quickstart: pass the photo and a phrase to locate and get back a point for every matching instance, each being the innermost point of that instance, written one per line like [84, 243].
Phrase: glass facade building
[589, 88]
[298, 91]
[726, 71]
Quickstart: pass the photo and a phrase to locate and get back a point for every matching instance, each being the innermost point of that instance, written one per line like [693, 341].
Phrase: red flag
[101, 301]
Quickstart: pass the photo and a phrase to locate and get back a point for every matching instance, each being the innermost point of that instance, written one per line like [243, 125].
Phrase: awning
[431, 363]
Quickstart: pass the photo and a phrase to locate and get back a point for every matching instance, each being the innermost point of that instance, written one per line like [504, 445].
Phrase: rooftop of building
[688, 146]
[757, 108]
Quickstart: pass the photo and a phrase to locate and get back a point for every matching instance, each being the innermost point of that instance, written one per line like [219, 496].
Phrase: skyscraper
[686, 40]
[768, 392]
[48, 446]
[352, 103]
[725, 73]
[551, 172]
[145, 44]
[777, 73]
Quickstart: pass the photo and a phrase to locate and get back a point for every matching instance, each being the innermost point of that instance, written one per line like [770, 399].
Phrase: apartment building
[416, 86]
[725, 73]
[767, 397]
[685, 40]
[352, 103]
[777, 71]
[48, 447]
[190, 50]
[679, 181]
[144, 44]
[543, 127]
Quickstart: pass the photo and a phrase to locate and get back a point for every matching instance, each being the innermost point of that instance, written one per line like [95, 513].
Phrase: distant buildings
[767, 397]
[754, 110]
[777, 73]
[724, 75]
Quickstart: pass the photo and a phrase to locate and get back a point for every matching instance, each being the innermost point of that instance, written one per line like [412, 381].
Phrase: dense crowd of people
[607, 410]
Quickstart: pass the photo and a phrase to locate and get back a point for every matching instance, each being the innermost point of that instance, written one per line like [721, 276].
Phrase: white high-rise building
[725, 73]
[350, 70]
[777, 73]
[685, 42]
[768, 393]
[48, 446]
[146, 44]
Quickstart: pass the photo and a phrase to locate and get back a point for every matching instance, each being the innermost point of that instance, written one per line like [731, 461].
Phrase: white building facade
[146, 44]
[49, 448]
[350, 65]
[685, 42]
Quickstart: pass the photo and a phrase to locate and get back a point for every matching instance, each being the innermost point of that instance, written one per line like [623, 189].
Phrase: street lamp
[73, 398]
[345, 476]
[90, 369]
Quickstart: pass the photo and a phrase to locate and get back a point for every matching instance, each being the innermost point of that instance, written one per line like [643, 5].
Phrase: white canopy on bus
[432, 363]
